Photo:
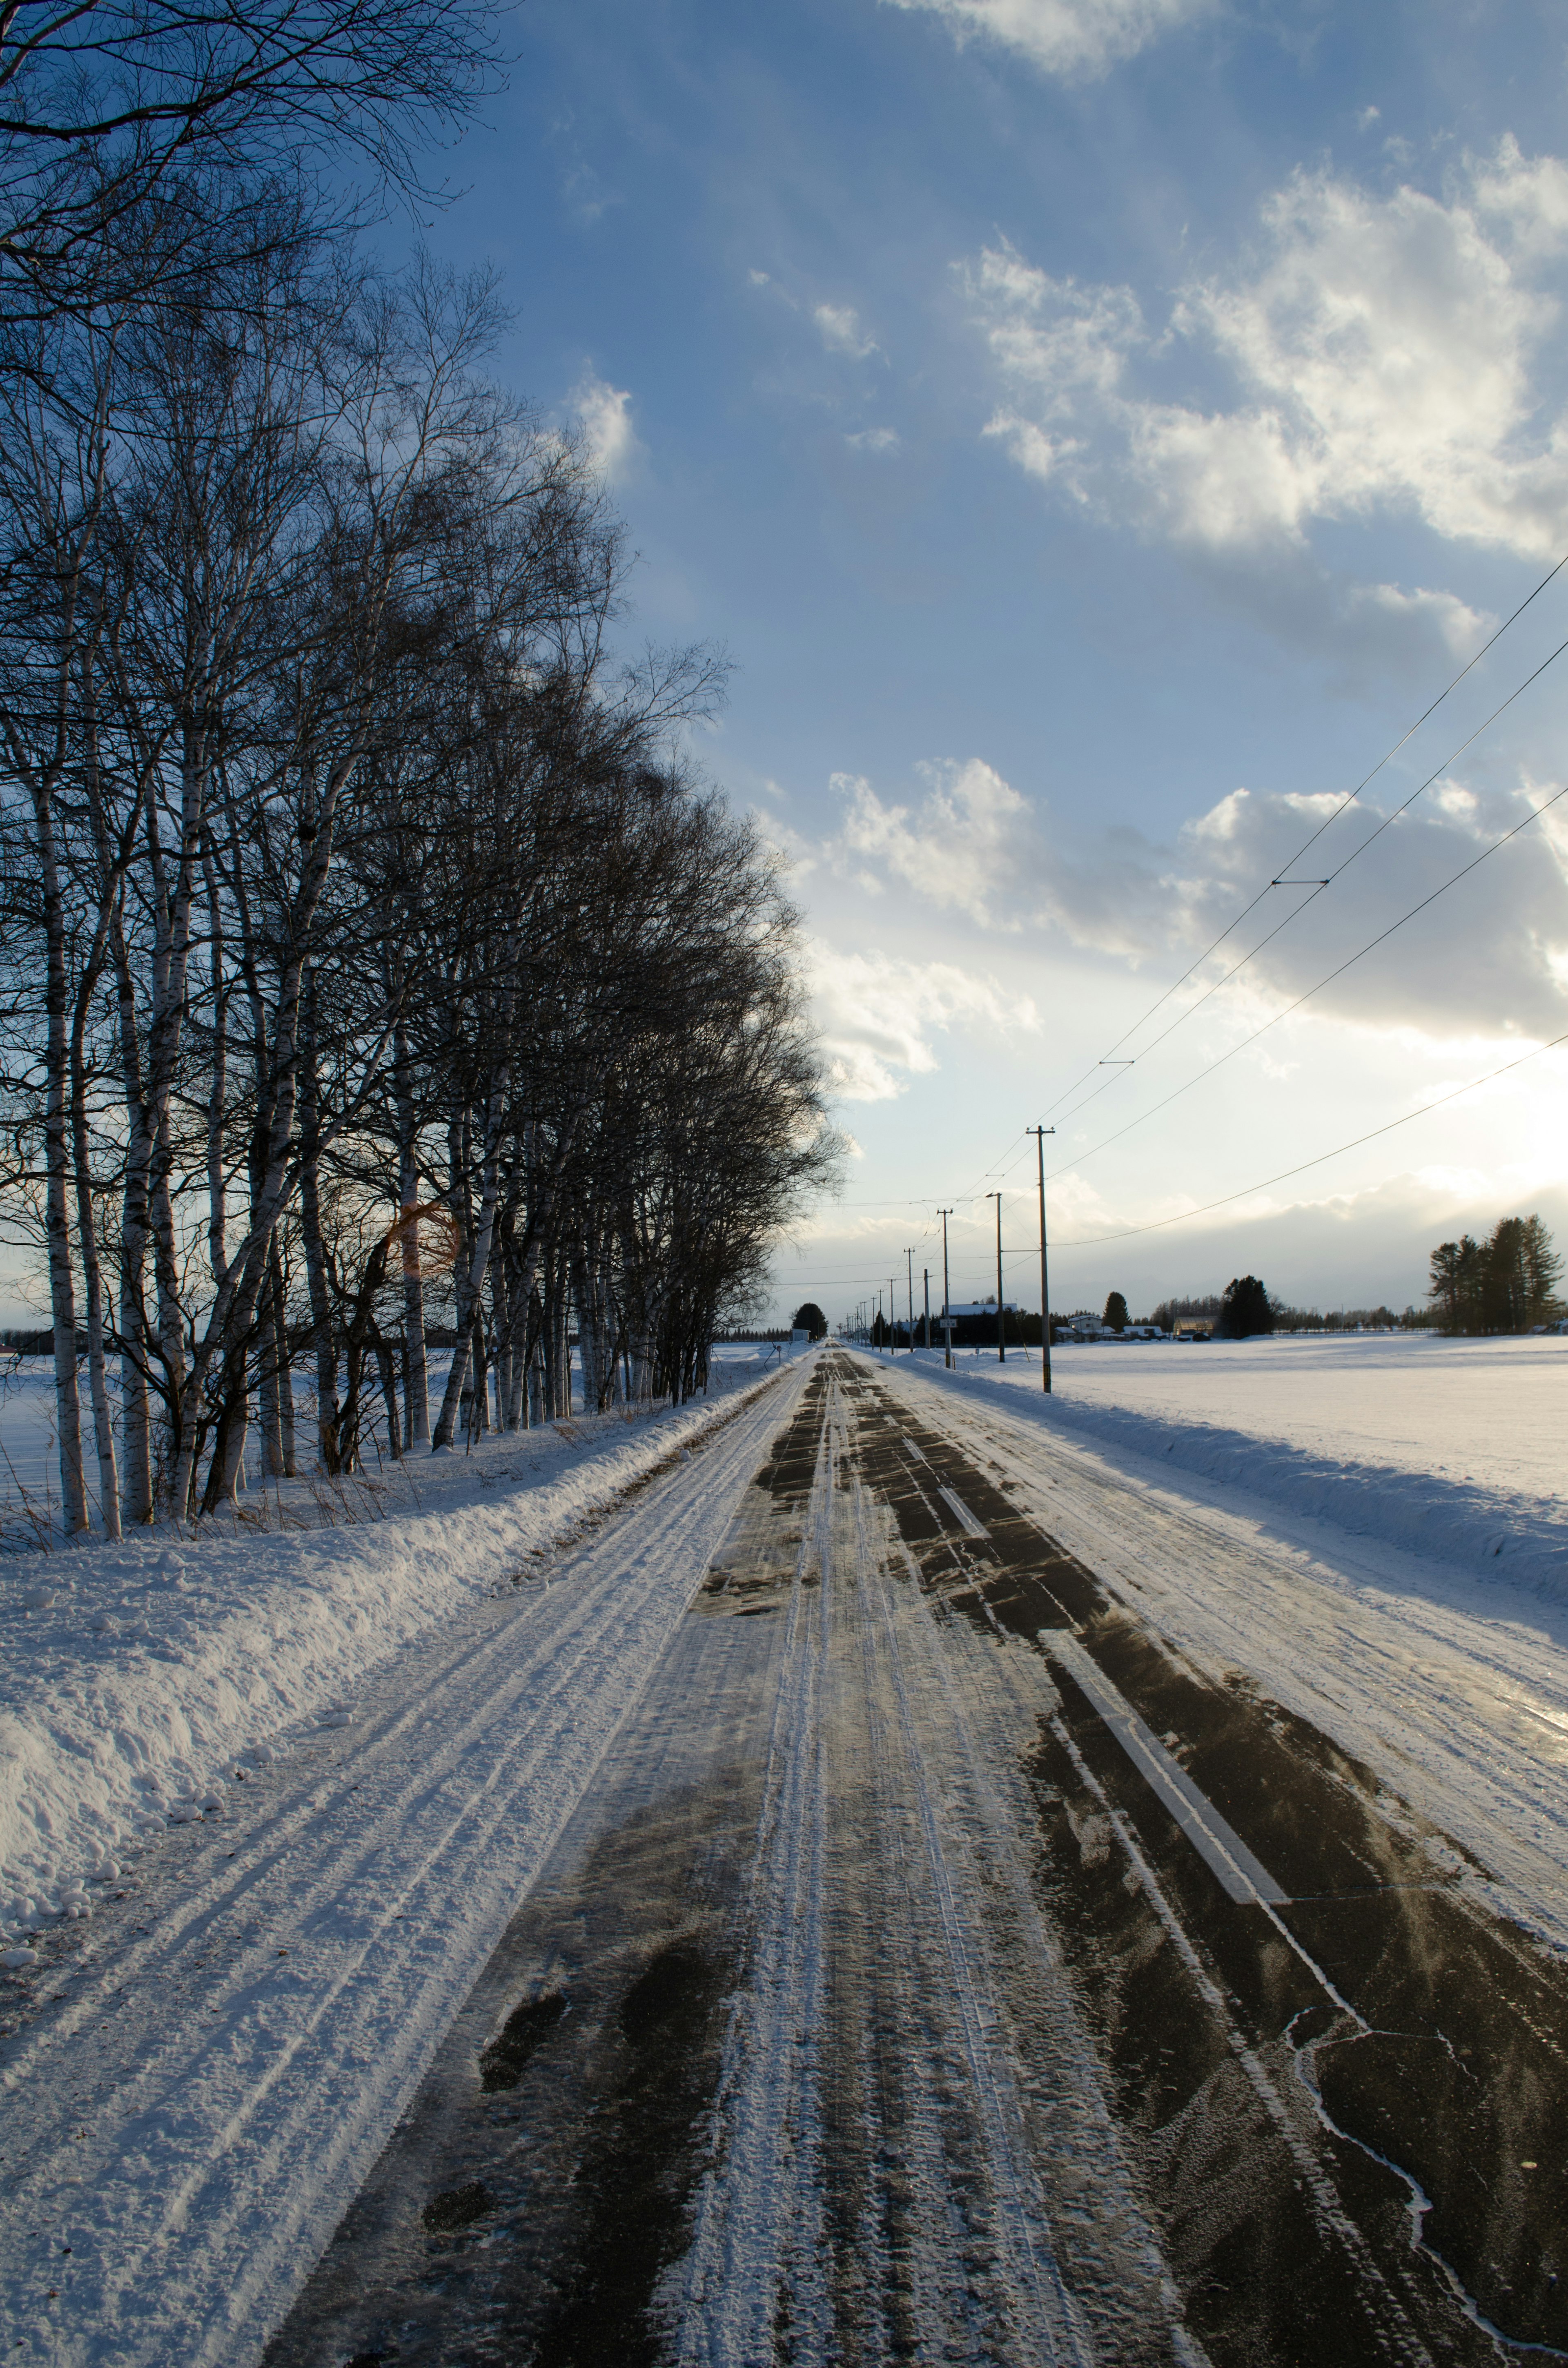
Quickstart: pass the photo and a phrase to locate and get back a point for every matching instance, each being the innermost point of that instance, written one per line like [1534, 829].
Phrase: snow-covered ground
[30, 1469]
[1453, 1448]
[135, 1679]
[1347, 1590]
[223, 2056]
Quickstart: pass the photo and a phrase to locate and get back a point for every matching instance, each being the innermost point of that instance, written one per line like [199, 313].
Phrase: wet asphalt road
[942, 1970]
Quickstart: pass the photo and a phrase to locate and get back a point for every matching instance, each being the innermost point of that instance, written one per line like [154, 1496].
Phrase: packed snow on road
[875, 1864]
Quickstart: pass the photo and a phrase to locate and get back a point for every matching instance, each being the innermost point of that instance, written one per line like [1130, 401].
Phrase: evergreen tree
[1542, 1267]
[1455, 1270]
[1116, 1312]
[1244, 1308]
[1505, 1289]
[809, 1317]
[1503, 1284]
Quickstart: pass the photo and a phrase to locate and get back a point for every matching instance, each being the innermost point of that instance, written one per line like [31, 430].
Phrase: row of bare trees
[367, 954]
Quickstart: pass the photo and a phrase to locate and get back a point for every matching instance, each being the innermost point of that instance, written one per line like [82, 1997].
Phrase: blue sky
[1097, 428]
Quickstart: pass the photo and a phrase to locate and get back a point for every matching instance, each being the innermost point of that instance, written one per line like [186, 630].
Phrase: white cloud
[874, 439]
[876, 1012]
[1074, 38]
[606, 415]
[957, 847]
[1488, 959]
[1385, 355]
[839, 325]
[1460, 628]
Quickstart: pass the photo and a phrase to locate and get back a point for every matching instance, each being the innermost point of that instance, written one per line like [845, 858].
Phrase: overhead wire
[1329, 820]
[1018, 1143]
[1319, 889]
[1158, 1224]
[1338, 971]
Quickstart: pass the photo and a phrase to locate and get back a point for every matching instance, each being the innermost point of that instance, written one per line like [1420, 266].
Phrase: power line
[1086, 1241]
[1020, 1143]
[1349, 963]
[1318, 888]
[1348, 799]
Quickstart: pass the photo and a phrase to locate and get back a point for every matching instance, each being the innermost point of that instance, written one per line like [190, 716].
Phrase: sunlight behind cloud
[1489, 958]
[954, 847]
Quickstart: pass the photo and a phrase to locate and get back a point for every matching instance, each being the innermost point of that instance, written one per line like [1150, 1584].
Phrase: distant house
[972, 1307]
[1194, 1327]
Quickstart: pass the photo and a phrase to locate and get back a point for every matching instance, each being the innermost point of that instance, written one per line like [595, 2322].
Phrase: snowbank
[135, 1679]
[1447, 1449]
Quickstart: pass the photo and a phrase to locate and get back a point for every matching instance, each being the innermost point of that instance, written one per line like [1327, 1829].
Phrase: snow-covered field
[134, 1679]
[1453, 1448]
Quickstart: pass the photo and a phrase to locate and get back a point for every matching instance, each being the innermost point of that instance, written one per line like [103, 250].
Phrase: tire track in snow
[1418, 1959]
[758, 2214]
[1046, 2324]
[214, 2159]
[1457, 1689]
[871, 2113]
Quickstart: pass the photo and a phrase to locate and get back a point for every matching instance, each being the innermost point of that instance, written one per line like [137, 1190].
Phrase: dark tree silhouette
[1503, 1284]
[1244, 1308]
[1116, 1312]
[127, 107]
[809, 1317]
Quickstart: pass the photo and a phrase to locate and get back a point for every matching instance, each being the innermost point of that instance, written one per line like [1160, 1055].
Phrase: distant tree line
[1242, 1309]
[1505, 1284]
[365, 946]
[1170, 1312]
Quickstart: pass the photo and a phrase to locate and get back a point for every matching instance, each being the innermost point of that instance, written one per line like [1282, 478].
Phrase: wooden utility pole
[927, 1273]
[1000, 1319]
[1040, 1133]
[947, 1293]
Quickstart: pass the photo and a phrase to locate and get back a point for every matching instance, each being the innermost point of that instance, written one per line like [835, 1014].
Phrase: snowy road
[185, 2115]
[945, 1969]
[932, 1937]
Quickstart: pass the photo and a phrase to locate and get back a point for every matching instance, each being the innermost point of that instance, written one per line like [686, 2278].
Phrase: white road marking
[961, 1512]
[1222, 1850]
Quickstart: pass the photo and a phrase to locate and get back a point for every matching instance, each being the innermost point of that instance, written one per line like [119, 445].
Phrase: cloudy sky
[1100, 430]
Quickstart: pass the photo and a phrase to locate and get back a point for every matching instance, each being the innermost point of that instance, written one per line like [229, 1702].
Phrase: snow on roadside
[137, 1679]
[1447, 1449]
[1447, 1680]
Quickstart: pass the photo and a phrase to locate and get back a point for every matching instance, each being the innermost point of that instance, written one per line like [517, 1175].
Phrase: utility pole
[1040, 1133]
[927, 1273]
[909, 1262]
[893, 1302]
[1000, 1319]
[946, 1295]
